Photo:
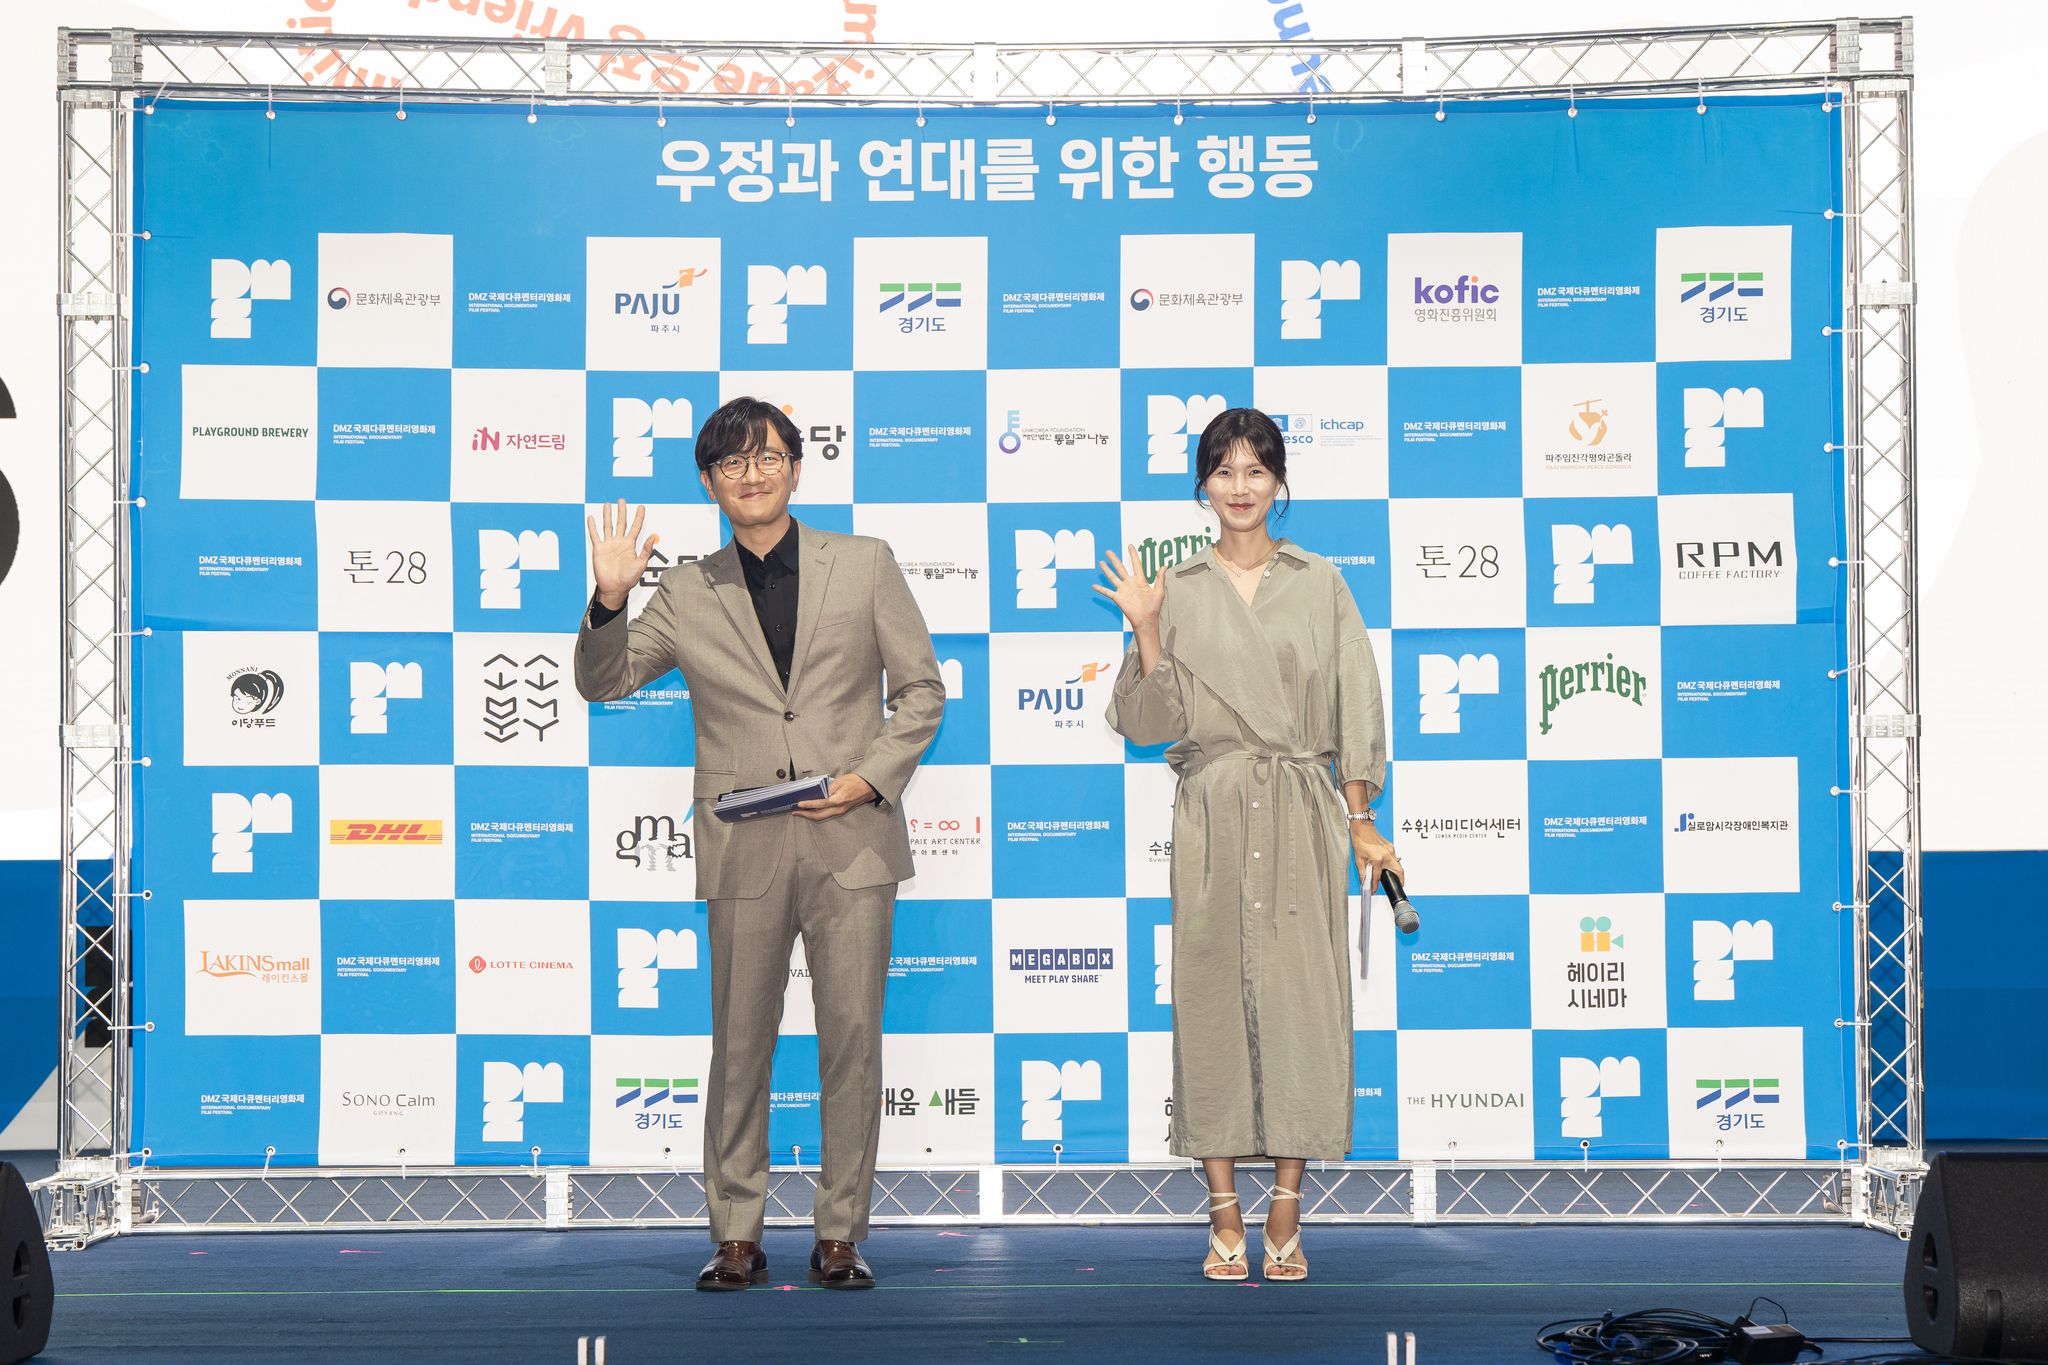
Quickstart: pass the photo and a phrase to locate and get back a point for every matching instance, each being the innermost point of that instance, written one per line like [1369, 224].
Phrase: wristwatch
[1359, 815]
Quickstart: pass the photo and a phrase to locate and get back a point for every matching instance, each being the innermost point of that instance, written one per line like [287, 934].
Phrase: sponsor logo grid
[367, 699]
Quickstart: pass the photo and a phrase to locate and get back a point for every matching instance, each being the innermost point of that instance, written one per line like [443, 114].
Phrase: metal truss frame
[106, 76]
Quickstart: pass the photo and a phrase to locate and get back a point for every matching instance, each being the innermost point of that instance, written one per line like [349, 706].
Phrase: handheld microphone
[1405, 918]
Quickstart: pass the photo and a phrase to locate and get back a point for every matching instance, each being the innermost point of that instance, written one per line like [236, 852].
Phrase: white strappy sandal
[1230, 1264]
[1291, 1262]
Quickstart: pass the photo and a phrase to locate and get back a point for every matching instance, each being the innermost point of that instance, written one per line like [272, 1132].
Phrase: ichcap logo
[383, 831]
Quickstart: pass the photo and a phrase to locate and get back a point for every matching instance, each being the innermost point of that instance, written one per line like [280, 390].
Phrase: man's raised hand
[614, 561]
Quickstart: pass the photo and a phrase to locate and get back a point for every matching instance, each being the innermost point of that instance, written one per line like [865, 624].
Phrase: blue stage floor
[1067, 1293]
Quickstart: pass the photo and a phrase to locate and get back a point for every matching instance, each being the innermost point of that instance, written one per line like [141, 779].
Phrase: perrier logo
[1562, 682]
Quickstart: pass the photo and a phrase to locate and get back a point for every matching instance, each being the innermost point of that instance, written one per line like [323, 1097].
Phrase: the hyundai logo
[1141, 299]
[337, 297]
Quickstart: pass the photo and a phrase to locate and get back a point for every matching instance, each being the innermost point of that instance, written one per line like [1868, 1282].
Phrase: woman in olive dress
[1252, 659]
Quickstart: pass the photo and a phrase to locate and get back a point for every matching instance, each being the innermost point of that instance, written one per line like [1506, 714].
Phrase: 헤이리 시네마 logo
[237, 286]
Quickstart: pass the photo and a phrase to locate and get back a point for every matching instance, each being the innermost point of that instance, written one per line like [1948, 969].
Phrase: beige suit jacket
[855, 620]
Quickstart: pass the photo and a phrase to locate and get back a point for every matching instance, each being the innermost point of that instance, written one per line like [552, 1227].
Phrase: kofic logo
[667, 301]
[1063, 698]
[1048, 1088]
[1717, 947]
[1305, 287]
[1444, 680]
[1576, 551]
[637, 424]
[643, 957]
[1562, 682]
[1583, 1083]
[238, 819]
[254, 692]
[1709, 416]
[509, 1088]
[383, 831]
[1040, 557]
[370, 685]
[657, 1098]
[502, 556]
[1169, 421]
[772, 292]
[1595, 935]
[1466, 290]
[235, 288]
[654, 844]
[1162, 964]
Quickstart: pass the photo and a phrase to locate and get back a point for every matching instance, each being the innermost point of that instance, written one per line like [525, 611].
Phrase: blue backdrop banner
[1558, 402]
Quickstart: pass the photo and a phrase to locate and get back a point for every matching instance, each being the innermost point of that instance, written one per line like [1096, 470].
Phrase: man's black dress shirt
[771, 582]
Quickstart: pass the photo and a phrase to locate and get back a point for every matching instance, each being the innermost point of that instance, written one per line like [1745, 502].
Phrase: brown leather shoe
[837, 1265]
[737, 1265]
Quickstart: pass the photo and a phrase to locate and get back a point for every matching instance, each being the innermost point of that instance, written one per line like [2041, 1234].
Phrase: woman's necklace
[1236, 572]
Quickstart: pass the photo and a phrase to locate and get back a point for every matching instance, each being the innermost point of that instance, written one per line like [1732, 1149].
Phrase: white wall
[1982, 166]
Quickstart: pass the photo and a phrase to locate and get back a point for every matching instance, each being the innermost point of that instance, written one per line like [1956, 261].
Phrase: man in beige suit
[784, 637]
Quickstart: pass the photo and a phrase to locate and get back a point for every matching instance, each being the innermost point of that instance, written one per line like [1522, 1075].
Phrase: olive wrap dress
[1259, 701]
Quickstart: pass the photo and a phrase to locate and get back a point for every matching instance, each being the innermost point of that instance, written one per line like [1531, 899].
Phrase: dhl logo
[383, 831]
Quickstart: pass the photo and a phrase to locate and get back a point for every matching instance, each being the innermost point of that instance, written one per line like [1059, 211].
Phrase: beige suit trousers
[846, 942]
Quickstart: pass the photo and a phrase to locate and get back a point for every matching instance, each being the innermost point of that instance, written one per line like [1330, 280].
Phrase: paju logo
[1468, 289]
[509, 1088]
[1582, 1083]
[1040, 557]
[1164, 552]
[1717, 947]
[1562, 682]
[1305, 287]
[1047, 1090]
[502, 556]
[1588, 427]
[1169, 421]
[654, 844]
[1444, 679]
[637, 424]
[238, 819]
[667, 301]
[1064, 698]
[236, 287]
[1709, 416]
[642, 959]
[1141, 299]
[1576, 551]
[370, 685]
[383, 831]
[657, 1097]
[254, 691]
[772, 292]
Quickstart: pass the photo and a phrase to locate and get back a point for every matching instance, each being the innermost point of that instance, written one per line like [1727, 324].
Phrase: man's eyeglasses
[770, 462]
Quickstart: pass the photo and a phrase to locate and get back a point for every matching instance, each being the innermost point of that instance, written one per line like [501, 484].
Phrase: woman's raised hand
[1138, 600]
[614, 562]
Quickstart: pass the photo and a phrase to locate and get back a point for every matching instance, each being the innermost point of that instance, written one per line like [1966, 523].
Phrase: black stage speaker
[1977, 1267]
[25, 1289]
